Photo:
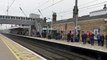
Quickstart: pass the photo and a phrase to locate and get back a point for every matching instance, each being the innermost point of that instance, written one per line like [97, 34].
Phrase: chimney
[45, 19]
[54, 17]
[104, 6]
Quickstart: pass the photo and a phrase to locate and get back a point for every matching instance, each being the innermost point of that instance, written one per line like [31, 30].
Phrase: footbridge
[34, 23]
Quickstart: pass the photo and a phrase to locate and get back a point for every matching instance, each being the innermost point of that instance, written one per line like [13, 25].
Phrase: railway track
[47, 51]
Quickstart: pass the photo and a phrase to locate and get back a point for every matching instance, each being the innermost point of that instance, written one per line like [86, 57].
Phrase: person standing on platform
[78, 37]
[72, 35]
[58, 36]
[44, 34]
[84, 37]
[69, 36]
[38, 34]
[49, 35]
[91, 38]
[102, 40]
[61, 35]
[106, 39]
[99, 39]
[88, 37]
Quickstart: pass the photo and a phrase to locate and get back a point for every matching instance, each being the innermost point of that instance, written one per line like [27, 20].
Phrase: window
[16, 17]
[13, 17]
[0, 17]
[8, 17]
[22, 18]
[33, 19]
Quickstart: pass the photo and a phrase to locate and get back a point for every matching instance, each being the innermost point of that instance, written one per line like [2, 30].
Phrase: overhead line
[42, 4]
[80, 5]
[72, 11]
[88, 2]
[52, 5]
[83, 7]
[89, 7]
[93, 5]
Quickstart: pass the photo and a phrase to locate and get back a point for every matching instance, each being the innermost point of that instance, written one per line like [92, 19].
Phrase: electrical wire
[93, 5]
[88, 3]
[52, 5]
[79, 5]
[81, 8]
[42, 5]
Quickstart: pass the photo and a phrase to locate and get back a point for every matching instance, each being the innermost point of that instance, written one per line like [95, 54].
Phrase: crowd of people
[52, 35]
[87, 37]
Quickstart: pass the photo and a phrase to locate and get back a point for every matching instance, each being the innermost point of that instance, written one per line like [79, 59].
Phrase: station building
[95, 21]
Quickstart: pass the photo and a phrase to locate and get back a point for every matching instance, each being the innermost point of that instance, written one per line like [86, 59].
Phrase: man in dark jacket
[72, 35]
[106, 39]
[84, 37]
[38, 34]
[99, 39]
[102, 40]
[69, 36]
[44, 34]
[91, 38]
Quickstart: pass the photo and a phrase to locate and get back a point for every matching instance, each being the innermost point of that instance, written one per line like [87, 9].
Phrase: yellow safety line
[12, 51]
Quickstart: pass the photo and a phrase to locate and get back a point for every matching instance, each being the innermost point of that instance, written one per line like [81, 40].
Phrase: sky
[63, 8]
[32, 6]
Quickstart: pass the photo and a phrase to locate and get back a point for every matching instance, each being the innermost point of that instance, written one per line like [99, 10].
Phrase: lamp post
[75, 16]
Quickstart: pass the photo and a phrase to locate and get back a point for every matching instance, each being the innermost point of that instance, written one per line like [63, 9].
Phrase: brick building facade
[86, 23]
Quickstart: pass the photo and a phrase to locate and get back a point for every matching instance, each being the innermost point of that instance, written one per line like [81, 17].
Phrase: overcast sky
[63, 8]
[32, 6]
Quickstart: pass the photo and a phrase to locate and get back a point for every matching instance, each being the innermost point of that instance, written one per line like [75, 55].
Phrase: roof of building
[99, 10]
[82, 18]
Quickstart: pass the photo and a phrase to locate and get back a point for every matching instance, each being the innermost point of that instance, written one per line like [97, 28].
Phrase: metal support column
[29, 30]
[75, 16]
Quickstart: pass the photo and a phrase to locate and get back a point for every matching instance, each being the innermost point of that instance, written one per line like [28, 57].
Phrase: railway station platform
[75, 44]
[96, 52]
[10, 50]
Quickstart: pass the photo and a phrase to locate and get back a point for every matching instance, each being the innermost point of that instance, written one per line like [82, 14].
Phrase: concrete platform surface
[10, 50]
[75, 44]
[5, 53]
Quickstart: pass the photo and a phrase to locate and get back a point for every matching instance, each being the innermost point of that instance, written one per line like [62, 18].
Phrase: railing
[16, 18]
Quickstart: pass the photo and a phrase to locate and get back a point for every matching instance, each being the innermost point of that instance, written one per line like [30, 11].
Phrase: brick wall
[85, 25]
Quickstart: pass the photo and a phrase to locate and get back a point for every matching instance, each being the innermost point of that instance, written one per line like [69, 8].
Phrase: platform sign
[77, 30]
[96, 32]
[105, 20]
